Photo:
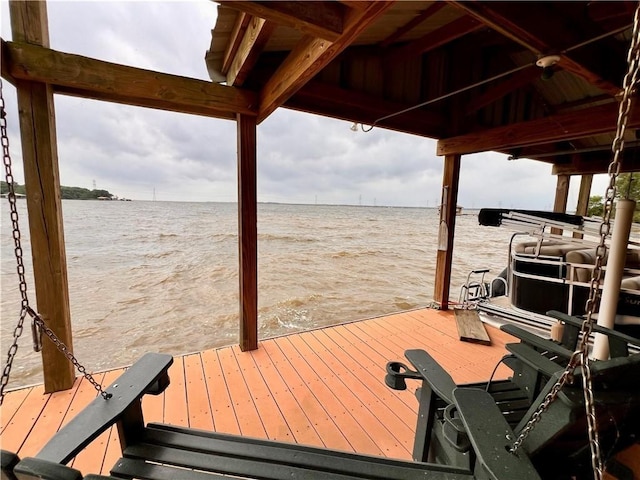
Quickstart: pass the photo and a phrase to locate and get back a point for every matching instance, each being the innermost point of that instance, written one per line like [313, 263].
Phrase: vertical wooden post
[562, 194]
[248, 232]
[42, 180]
[450, 182]
[583, 198]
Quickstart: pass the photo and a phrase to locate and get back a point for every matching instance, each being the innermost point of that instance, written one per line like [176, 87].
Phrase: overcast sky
[134, 152]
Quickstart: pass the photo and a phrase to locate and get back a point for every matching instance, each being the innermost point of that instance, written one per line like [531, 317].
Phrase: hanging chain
[38, 324]
[580, 356]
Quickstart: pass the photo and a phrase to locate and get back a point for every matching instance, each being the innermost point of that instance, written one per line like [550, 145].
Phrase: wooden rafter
[432, 40]
[253, 41]
[417, 20]
[242, 22]
[335, 101]
[555, 128]
[310, 56]
[527, 31]
[496, 92]
[318, 19]
[595, 163]
[86, 77]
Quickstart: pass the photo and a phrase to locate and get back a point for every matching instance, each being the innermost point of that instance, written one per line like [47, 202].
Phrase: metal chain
[38, 323]
[580, 356]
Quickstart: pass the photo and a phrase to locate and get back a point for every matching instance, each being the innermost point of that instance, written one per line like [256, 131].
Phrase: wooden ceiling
[462, 72]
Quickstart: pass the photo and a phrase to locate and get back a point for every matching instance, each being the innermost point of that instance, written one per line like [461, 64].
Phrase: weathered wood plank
[253, 42]
[321, 19]
[470, 327]
[87, 77]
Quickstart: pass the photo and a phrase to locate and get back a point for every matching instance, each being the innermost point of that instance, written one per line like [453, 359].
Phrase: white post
[613, 274]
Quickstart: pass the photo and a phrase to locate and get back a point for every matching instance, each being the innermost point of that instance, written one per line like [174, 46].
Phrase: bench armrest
[533, 359]
[432, 373]
[147, 375]
[618, 341]
[491, 436]
[535, 341]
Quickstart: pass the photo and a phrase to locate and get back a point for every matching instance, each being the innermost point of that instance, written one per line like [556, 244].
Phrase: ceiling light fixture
[546, 63]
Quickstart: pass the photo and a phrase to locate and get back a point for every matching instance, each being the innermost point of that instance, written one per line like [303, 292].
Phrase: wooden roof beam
[527, 31]
[554, 128]
[413, 23]
[311, 55]
[432, 40]
[86, 77]
[242, 22]
[318, 19]
[330, 100]
[253, 41]
[492, 94]
[595, 163]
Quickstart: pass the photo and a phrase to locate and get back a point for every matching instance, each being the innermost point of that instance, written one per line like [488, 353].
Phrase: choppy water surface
[163, 276]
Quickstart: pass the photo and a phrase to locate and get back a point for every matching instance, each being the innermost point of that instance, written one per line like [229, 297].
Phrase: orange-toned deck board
[323, 387]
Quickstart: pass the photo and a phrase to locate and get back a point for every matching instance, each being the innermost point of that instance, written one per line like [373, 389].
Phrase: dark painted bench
[161, 452]
[559, 441]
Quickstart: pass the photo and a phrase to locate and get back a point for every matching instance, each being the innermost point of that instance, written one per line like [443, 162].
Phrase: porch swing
[531, 426]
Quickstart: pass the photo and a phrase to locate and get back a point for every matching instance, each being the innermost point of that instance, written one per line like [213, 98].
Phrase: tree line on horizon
[66, 193]
[626, 187]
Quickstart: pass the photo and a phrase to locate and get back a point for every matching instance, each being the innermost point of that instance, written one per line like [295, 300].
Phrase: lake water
[163, 276]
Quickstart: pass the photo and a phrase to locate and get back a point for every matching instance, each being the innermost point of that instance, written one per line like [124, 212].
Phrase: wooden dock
[323, 387]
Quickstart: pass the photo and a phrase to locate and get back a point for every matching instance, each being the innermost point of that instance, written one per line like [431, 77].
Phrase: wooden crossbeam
[330, 100]
[413, 23]
[253, 41]
[87, 77]
[242, 22]
[496, 92]
[520, 29]
[319, 19]
[310, 56]
[432, 40]
[566, 126]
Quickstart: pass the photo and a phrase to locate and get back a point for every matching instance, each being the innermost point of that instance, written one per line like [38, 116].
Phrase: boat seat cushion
[588, 257]
[550, 249]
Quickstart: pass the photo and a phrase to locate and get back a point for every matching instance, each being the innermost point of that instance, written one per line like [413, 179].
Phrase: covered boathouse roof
[465, 72]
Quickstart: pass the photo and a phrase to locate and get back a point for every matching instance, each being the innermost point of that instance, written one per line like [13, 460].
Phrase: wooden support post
[562, 194]
[42, 180]
[247, 232]
[450, 181]
[583, 198]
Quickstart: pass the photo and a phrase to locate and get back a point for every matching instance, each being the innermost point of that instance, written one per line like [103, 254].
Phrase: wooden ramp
[323, 387]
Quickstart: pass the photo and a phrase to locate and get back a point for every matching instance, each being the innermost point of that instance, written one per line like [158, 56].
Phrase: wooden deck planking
[323, 387]
[297, 387]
